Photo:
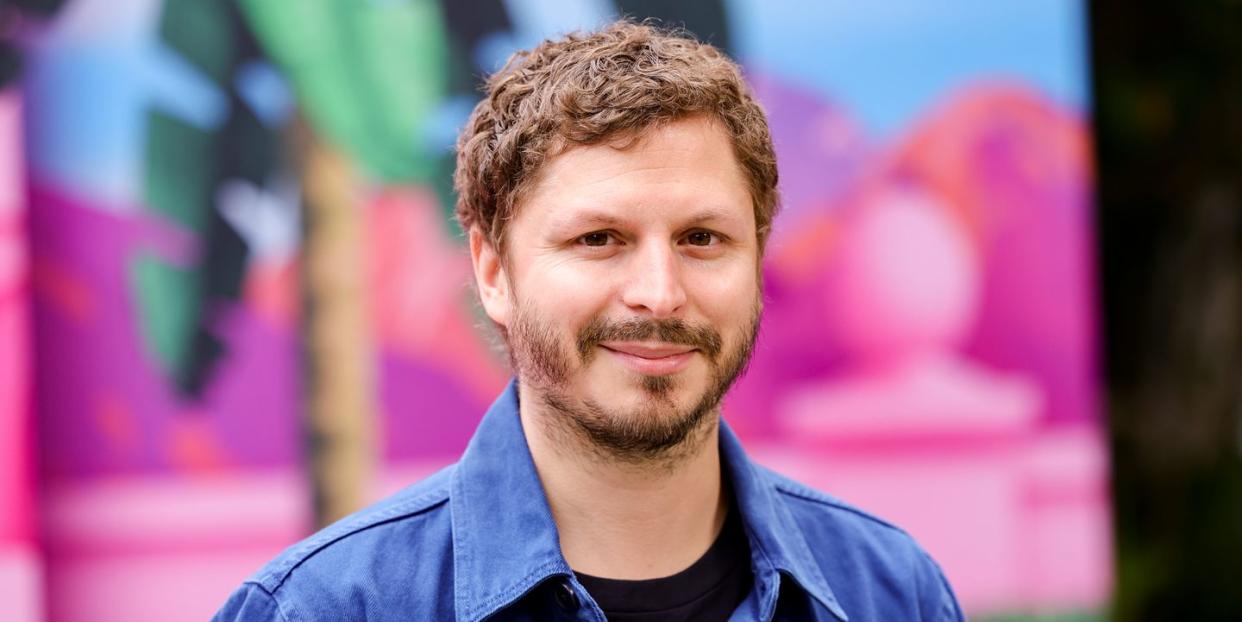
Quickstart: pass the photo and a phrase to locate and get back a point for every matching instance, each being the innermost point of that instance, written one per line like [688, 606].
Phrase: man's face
[630, 291]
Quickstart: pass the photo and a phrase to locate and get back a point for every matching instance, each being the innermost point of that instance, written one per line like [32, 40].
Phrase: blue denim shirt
[477, 541]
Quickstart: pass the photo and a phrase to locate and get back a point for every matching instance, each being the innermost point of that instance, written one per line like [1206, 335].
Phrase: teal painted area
[167, 301]
[178, 182]
[203, 34]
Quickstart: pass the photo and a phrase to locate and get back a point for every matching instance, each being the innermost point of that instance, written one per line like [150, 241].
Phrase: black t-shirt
[710, 589]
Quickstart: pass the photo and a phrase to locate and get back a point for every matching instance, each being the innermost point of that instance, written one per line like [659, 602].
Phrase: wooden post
[339, 354]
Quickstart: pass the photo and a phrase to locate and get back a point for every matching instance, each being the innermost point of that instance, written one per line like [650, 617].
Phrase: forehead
[681, 168]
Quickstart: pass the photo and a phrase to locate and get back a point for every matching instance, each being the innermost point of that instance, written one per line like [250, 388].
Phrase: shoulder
[354, 534]
[866, 554]
[811, 506]
[379, 551]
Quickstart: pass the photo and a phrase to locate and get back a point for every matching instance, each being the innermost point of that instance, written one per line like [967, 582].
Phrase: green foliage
[1067, 616]
[367, 74]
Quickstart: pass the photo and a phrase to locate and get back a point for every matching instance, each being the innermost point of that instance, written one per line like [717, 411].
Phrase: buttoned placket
[498, 459]
[574, 603]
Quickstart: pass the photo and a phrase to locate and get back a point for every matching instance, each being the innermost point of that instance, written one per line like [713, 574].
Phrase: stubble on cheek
[534, 352]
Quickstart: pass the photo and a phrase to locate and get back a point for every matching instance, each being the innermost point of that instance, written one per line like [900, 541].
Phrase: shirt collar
[505, 541]
[776, 540]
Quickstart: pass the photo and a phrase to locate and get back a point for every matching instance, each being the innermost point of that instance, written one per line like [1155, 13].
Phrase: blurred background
[1003, 297]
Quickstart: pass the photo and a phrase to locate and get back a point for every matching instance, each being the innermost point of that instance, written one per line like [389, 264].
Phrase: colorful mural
[20, 567]
[928, 349]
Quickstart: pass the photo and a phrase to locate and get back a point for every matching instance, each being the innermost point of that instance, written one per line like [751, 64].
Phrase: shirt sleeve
[940, 604]
[951, 611]
[250, 603]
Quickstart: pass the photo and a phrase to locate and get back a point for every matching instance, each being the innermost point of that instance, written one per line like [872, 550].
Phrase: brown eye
[700, 238]
[598, 238]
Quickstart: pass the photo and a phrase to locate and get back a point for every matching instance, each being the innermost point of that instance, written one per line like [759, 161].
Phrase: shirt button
[566, 597]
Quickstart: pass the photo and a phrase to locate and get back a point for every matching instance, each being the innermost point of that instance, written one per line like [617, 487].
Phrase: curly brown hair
[587, 88]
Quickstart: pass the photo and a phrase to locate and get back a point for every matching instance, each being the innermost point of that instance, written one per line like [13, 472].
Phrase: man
[617, 189]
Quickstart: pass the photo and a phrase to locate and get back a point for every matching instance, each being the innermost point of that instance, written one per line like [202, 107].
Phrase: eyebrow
[580, 220]
[710, 213]
[603, 219]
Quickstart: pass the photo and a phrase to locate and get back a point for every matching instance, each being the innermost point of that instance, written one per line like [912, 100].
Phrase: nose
[653, 283]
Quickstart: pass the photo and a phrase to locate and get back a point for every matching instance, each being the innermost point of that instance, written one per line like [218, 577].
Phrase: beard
[659, 428]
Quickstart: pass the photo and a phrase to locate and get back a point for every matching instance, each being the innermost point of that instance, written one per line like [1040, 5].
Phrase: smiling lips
[651, 358]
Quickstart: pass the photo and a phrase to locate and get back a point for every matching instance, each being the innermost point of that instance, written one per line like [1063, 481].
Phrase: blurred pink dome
[903, 280]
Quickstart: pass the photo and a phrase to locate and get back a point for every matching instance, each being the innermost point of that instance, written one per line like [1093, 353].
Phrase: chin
[677, 391]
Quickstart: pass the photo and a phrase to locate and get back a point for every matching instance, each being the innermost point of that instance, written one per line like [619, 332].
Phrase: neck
[622, 519]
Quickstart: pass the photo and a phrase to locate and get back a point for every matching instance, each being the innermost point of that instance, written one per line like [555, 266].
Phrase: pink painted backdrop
[929, 344]
[20, 564]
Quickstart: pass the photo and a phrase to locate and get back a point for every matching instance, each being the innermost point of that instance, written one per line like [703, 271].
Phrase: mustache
[671, 330]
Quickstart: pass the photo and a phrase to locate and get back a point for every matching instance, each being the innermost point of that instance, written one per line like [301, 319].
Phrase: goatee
[656, 432]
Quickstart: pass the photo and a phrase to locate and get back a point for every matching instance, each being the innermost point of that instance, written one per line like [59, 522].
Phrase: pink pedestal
[164, 549]
[168, 549]
[21, 583]
[1018, 523]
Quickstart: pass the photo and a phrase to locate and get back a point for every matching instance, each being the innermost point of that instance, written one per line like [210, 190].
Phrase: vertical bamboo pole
[339, 357]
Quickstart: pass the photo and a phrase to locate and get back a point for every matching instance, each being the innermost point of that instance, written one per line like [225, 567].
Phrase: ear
[490, 277]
